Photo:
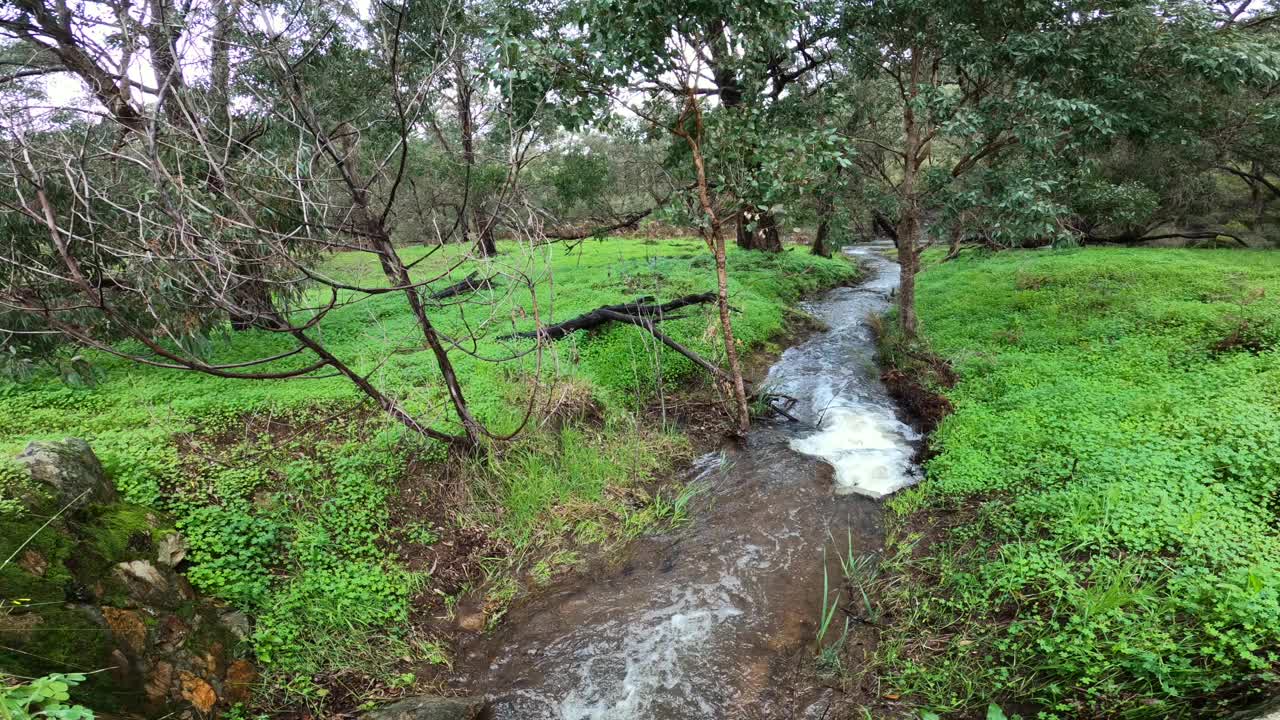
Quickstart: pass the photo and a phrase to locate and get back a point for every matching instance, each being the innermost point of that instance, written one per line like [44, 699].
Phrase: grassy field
[1098, 532]
[310, 511]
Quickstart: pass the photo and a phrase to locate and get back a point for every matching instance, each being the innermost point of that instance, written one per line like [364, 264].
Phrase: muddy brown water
[713, 620]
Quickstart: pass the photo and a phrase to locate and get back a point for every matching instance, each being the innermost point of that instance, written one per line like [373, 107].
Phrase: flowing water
[710, 621]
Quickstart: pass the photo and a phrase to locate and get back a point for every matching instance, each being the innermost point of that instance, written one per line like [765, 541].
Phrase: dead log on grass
[645, 314]
[467, 284]
[628, 312]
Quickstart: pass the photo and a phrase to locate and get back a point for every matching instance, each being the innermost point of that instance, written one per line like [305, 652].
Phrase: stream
[716, 619]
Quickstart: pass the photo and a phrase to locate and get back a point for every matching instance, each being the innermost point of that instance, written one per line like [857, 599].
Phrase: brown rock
[239, 681]
[196, 691]
[472, 621]
[127, 628]
[215, 659]
[121, 670]
[33, 562]
[18, 627]
[157, 685]
[173, 632]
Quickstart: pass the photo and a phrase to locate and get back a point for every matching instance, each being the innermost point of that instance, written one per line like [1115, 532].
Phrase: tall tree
[1000, 103]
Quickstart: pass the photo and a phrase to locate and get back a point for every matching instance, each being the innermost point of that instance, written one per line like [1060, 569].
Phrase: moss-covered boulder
[99, 588]
[69, 468]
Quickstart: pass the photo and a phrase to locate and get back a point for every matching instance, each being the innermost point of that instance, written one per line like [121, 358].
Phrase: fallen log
[467, 284]
[626, 221]
[625, 312]
[1136, 238]
[647, 322]
[645, 314]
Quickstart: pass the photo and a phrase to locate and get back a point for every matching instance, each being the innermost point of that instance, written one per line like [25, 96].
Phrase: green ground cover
[286, 490]
[1097, 535]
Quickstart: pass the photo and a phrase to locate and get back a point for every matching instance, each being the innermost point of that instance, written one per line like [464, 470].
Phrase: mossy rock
[70, 468]
[120, 532]
[49, 592]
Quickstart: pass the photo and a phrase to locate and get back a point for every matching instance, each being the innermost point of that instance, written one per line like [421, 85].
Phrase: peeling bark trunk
[764, 236]
[908, 229]
[715, 239]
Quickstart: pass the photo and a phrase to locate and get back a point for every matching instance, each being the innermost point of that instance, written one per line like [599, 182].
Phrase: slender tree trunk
[909, 224]
[485, 242]
[254, 294]
[162, 31]
[715, 238]
[379, 241]
[224, 13]
[388, 404]
[395, 270]
[1255, 190]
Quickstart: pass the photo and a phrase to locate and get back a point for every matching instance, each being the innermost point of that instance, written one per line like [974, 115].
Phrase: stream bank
[719, 618]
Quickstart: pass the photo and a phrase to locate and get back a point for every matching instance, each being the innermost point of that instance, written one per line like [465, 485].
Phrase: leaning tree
[227, 149]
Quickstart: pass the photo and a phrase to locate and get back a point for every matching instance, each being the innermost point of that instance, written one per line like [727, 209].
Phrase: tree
[999, 105]
[150, 221]
[756, 58]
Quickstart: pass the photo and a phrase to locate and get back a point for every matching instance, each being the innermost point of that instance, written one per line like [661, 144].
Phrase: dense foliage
[1109, 484]
[287, 493]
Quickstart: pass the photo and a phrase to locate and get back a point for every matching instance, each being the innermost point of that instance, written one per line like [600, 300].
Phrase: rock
[237, 623]
[472, 621]
[33, 562]
[127, 628]
[429, 708]
[196, 691]
[121, 669]
[71, 469]
[157, 686]
[214, 660]
[239, 681]
[144, 582]
[173, 633]
[172, 550]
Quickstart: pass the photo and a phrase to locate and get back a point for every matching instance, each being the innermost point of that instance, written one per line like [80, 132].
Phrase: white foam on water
[870, 450]
[623, 680]
[857, 432]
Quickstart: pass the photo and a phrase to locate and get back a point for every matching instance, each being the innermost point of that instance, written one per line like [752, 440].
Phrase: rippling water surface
[709, 622]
